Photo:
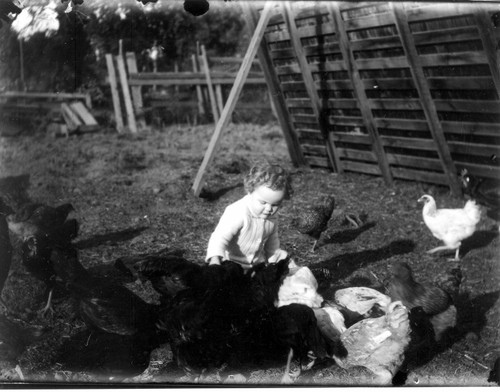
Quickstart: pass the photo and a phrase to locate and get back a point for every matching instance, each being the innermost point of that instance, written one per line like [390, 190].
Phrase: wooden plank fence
[132, 90]
[406, 91]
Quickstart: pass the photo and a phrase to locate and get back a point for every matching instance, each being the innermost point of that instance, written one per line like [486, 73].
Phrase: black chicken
[111, 311]
[314, 221]
[168, 274]
[485, 191]
[201, 323]
[256, 342]
[494, 375]
[435, 302]
[51, 262]
[296, 327]
[15, 337]
[5, 245]
[224, 316]
[422, 344]
[14, 190]
[36, 219]
[130, 264]
[36, 259]
[112, 308]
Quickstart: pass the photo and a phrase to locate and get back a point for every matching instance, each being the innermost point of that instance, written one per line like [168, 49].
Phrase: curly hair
[268, 174]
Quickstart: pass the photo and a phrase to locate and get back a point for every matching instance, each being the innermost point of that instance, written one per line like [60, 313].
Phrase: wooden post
[312, 92]
[360, 93]
[88, 101]
[426, 100]
[21, 61]
[126, 94]
[199, 92]
[490, 44]
[114, 93]
[274, 86]
[136, 90]
[204, 88]
[176, 70]
[233, 95]
[213, 101]
[220, 98]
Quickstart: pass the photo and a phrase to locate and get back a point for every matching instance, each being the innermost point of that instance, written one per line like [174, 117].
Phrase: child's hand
[216, 260]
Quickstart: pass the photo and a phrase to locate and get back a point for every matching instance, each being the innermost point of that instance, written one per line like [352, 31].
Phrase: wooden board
[70, 117]
[83, 113]
[114, 92]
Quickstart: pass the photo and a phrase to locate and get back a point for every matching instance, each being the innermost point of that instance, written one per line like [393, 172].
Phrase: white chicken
[350, 322]
[450, 225]
[377, 344]
[361, 299]
[299, 287]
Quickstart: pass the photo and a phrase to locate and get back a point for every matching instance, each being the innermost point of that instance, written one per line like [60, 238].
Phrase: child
[247, 233]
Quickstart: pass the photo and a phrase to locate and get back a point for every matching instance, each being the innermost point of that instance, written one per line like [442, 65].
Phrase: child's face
[265, 201]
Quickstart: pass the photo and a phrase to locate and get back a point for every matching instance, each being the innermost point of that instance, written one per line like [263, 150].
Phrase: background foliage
[73, 59]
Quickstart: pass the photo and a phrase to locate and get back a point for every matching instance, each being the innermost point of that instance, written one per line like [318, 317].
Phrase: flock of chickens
[219, 317]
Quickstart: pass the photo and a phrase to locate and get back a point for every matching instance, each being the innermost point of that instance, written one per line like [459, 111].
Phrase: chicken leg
[289, 377]
[48, 306]
[455, 247]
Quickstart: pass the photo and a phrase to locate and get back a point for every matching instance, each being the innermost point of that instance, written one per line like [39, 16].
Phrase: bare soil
[132, 194]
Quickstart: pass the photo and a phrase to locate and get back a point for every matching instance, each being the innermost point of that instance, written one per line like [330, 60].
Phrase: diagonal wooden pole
[233, 95]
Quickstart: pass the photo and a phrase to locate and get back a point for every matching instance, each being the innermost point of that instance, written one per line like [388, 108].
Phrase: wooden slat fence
[410, 90]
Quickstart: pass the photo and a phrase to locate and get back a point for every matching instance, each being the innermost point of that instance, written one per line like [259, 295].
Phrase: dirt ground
[132, 194]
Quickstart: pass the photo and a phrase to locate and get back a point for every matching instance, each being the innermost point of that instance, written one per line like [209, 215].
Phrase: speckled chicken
[5, 245]
[314, 220]
[450, 225]
[377, 344]
[435, 302]
[36, 219]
